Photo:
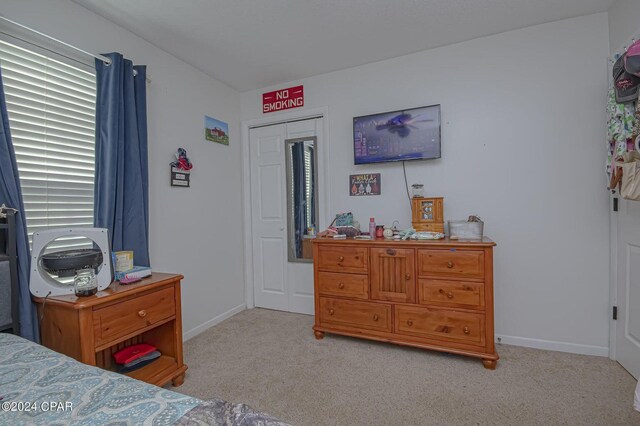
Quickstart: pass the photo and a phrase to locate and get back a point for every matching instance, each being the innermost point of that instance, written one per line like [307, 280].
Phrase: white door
[278, 283]
[268, 214]
[628, 287]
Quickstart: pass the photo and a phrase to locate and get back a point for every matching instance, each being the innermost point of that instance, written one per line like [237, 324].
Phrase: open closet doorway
[283, 165]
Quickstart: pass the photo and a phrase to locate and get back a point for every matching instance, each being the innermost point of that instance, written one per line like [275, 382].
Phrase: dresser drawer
[118, 320]
[451, 263]
[462, 294]
[349, 285]
[343, 259]
[355, 314]
[440, 324]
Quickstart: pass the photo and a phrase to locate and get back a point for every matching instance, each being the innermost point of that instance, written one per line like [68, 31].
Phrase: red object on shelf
[131, 353]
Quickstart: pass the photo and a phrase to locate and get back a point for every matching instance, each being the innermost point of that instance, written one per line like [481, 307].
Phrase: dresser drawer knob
[391, 252]
[449, 264]
[331, 311]
[375, 317]
[466, 330]
[409, 323]
[341, 285]
[448, 293]
[142, 313]
[340, 258]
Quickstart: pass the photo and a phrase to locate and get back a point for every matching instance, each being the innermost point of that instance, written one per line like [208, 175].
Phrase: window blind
[51, 108]
[308, 181]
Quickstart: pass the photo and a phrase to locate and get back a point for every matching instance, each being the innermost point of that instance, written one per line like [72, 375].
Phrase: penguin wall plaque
[364, 184]
[181, 169]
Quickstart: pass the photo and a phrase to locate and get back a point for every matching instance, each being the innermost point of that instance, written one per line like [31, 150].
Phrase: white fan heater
[52, 272]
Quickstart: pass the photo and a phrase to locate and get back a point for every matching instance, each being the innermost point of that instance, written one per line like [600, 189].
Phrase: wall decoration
[216, 130]
[364, 184]
[278, 100]
[180, 177]
[181, 169]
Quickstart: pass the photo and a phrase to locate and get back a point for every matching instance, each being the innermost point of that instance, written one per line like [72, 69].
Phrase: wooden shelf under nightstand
[91, 329]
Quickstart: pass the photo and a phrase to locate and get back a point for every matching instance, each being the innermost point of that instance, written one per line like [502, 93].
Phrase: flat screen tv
[409, 134]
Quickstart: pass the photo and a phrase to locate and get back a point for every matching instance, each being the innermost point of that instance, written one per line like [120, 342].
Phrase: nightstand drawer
[441, 324]
[451, 263]
[118, 320]
[355, 314]
[343, 259]
[349, 285]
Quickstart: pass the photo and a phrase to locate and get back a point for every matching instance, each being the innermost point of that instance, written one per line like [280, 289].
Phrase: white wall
[523, 146]
[624, 22]
[198, 231]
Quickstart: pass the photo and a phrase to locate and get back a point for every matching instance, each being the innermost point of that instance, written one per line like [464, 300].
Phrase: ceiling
[250, 44]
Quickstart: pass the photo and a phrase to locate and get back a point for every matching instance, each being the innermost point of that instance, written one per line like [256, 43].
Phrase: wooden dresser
[427, 294]
[90, 329]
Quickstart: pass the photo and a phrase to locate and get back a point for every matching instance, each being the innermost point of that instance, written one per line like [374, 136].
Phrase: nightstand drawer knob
[340, 258]
[375, 317]
[466, 330]
[409, 323]
[449, 264]
[340, 285]
[331, 311]
[142, 313]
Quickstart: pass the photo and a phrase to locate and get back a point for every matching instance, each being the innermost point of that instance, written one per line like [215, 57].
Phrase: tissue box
[464, 230]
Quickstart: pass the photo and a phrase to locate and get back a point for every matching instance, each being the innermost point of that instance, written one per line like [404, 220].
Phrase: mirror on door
[302, 197]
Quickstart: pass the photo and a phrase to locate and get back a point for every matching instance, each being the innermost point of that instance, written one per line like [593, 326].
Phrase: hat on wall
[627, 85]
[632, 59]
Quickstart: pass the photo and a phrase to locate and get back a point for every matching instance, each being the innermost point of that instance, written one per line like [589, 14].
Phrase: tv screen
[410, 134]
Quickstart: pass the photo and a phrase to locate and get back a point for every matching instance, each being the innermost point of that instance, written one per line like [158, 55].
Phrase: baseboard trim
[550, 345]
[213, 321]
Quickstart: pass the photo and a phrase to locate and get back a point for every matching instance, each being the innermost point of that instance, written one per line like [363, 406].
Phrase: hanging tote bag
[630, 182]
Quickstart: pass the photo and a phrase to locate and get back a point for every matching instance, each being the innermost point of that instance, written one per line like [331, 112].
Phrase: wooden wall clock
[427, 214]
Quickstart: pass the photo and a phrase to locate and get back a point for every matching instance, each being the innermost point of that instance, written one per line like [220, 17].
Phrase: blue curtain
[121, 198]
[11, 195]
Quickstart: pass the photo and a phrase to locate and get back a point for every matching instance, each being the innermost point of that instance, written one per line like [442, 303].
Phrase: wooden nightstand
[91, 329]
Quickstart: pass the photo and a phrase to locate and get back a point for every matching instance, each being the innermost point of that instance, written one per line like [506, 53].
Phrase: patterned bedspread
[41, 387]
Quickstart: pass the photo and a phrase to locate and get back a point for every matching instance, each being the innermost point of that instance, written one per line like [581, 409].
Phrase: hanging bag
[630, 181]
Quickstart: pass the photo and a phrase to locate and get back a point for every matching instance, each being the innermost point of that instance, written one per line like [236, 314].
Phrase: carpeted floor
[271, 361]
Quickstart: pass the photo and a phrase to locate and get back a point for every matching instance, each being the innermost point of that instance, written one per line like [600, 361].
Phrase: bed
[41, 387]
